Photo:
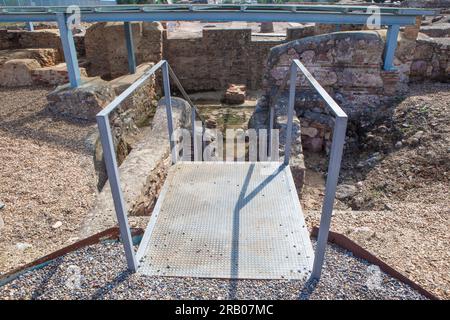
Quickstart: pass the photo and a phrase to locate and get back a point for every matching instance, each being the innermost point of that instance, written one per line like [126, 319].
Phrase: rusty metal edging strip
[108, 234]
[362, 253]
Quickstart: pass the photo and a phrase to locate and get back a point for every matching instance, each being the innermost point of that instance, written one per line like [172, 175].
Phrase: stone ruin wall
[210, 62]
[106, 50]
[431, 60]
[39, 39]
[347, 64]
[28, 58]
[218, 58]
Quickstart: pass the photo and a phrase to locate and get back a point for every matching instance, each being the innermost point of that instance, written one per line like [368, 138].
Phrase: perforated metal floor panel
[227, 220]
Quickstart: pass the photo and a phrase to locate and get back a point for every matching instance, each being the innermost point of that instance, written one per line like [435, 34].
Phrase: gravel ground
[98, 272]
[47, 177]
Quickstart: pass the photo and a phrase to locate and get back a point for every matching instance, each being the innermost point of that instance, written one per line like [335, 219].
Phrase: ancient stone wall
[347, 64]
[218, 58]
[210, 62]
[43, 38]
[20, 39]
[426, 3]
[431, 59]
[106, 48]
[315, 29]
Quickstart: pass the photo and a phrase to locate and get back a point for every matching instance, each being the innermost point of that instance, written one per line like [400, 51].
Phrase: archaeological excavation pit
[163, 102]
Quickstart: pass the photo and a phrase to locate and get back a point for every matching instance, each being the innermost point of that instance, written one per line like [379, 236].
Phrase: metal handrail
[110, 156]
[334, 165]
[113, 172]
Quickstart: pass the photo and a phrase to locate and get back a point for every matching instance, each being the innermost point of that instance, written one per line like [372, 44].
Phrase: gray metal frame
[110, 155]
[334, 165]
[330, 14]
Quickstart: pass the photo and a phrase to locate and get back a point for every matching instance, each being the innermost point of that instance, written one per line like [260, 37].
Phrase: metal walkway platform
[227, 220]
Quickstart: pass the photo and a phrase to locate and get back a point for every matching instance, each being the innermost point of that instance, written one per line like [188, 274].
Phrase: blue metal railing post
[130, 47]
[391, 45]
[114, 182]
[70, 54]
[29, 26]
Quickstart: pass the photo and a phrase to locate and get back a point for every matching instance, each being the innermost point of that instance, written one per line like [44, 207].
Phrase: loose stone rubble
[235, 94]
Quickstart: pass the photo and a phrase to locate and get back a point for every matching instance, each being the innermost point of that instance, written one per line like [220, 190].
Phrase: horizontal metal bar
[256, 13]
[147, 74]
[338, 112]
[263, 16]
[229, 7]
[22, 17]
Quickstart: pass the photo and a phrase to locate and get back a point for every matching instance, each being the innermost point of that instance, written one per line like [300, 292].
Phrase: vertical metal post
[29, 26]
[391, 45]
[194, 133]
[166, 83]
[334, 165]
[70, 54]
[114, 182]
[271, 125]
[287, 146]
[130, 47]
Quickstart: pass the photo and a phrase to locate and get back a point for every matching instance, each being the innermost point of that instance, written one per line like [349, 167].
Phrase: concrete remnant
[45, 56]
[106, 48]
[345, 191]
[235, 94]
[54, 75]
[83, 102]
[142, 172]
[18, 72]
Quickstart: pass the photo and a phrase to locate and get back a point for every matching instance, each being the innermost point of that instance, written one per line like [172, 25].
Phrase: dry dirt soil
[47, 177]
[399, 207]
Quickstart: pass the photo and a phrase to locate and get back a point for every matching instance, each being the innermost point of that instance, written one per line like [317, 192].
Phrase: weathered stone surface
[347, 64]
[54, 75]
[17, 72]
[309, 131]
[345, 191]
[106, 48]
[441, 30]
[141, 103]
[431, 59]
[426, 3]
[83, 102]
[294, 33]
[411, 32]
[45, 56]
[20, 39]
[142, 173]
[266, 27]
[235, 94]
